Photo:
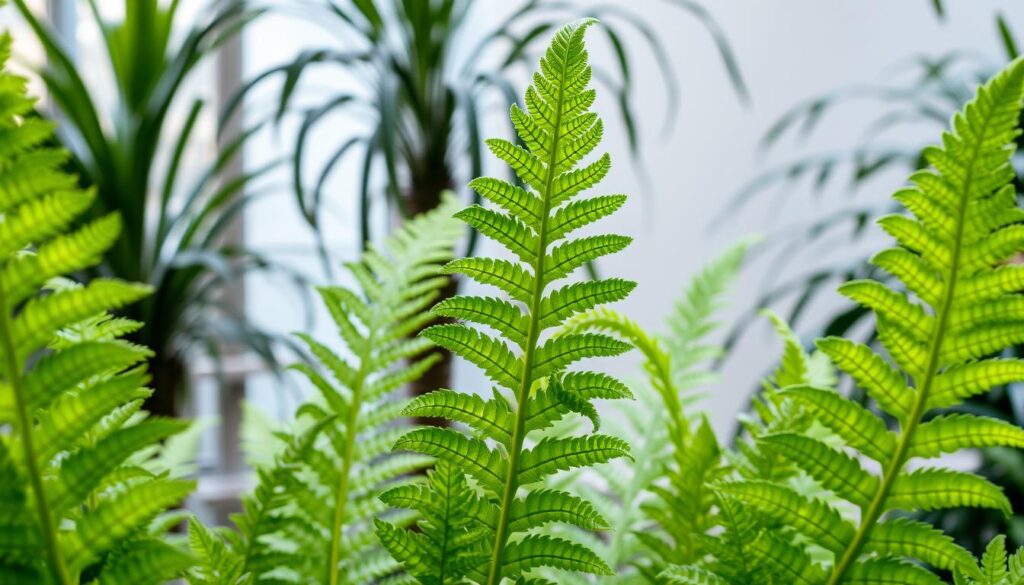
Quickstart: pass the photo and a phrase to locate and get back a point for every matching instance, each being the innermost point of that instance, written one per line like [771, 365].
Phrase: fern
[78, 499]
[310, 518]
[960, 308]
[690, 508]
[995, 568]
[452, 534]
[657, 426]
[693, 317]
[559, 132]
[216, 563]
[660, 428]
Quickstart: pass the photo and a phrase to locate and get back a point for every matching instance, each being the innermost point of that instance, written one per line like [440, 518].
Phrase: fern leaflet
[996, 567]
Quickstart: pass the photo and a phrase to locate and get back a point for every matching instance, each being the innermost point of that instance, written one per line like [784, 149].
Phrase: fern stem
[341, 501]
[659, 370]
[892, 471]
[46, 525]
[526, 380]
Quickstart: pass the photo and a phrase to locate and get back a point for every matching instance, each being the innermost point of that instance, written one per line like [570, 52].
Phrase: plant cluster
[524, 487]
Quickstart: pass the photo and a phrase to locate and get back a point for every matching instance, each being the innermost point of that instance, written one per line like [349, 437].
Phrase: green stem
[46, 525]
[341, 501]
[876, 508]
[533, 334]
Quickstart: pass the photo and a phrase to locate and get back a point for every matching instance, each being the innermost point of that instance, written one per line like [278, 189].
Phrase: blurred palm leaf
[934, 89]
[175, 233]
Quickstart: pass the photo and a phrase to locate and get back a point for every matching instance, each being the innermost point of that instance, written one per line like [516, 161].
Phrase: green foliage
[80, 498]
[144, 158]
[671, 361]
[657, 426]
[923, 90]
[691, 508]
[452, 536]
[499, 454]
[310, 517]
[939, 334]
[216, 563]
[995, 568]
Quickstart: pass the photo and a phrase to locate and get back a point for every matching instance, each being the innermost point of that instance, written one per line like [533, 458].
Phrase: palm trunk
[168, 374]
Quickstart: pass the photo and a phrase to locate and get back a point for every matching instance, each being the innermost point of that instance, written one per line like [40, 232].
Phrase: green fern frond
[310, 518]
[215, 562]
[693, 317]
[672, 362]
[266, 510]
[996, 567]
[453, 527]
[534, 223]
[964, 226]
[79, 500]
[660, 503]
[714, 510]
[938, 337]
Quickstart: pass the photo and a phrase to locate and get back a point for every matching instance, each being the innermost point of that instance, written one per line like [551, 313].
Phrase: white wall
[788, 50]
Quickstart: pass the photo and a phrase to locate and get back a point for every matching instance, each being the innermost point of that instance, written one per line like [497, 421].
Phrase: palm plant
[423, 97]
[174, 235]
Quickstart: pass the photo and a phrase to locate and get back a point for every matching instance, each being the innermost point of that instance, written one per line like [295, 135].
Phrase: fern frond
[996, 567]
[660, 503]
[216, 563]
[78, 500]
[451, 540]
[312, 514]
[938, 334]
[961, 230]
[723, 511]
[671, 363]
[534, 223]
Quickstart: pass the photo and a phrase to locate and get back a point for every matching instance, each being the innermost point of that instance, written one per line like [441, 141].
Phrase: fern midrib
[46, 525]
[661, 373]
[875, 508]
[526, 380]
[743, 555]
[351, 432]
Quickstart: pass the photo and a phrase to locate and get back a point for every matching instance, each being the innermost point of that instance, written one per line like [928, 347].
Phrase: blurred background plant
[180, 231]
[924, 91]
[426, 71]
